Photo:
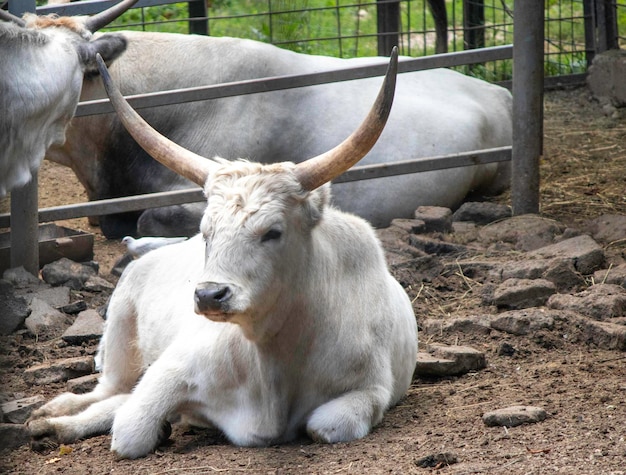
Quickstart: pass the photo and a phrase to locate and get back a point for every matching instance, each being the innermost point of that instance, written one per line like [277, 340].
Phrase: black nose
[212, 296]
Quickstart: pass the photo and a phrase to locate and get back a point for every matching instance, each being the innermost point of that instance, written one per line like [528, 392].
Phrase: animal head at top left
[43, 62]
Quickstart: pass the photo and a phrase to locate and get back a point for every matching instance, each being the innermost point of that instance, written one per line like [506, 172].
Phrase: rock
[605, 335]
[612, 275]
[514, 416]
[523, 322]
[82, 385]
[19, 410]
[420, 268]
[436, 246]
[44, 321]
[74, 308]
[88, 325]
[523, 293]
[563, 274]
[443, 360]
[53, 296]
[479, 270]
[481, 212]
[525, 233]
[435, 218]
[13, 435]
[608, 228]
[20, 277]
[67, 272]
[13, 309]
[586, 255]
[478, 325]
[98, 284]
[411, 226]
[431, 366]
[600, 302]
[437, 460]
[60, 370]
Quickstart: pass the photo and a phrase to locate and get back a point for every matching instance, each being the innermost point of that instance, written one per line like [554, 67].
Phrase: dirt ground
[582, 388]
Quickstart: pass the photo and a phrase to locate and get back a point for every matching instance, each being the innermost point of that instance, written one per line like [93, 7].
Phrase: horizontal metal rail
[253, 86]
[177, 197]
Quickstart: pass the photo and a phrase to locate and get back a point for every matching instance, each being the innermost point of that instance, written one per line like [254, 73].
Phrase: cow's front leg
[141, 423]
[348, 417]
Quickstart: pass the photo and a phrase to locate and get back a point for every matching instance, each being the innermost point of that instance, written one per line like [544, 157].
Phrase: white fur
[318, 336]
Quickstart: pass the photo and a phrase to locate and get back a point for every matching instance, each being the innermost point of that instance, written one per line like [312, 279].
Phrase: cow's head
[42, 65]
[261, 221]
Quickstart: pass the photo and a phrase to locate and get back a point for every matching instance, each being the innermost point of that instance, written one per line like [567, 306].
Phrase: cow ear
[109, 46]
[316, 201]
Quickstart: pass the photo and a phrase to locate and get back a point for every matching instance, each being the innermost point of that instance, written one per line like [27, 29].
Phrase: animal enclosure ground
[582, 388]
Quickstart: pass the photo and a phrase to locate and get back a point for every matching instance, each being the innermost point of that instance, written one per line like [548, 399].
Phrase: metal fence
[575, 30]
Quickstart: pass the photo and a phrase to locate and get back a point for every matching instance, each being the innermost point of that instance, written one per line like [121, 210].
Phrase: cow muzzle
[212, 297]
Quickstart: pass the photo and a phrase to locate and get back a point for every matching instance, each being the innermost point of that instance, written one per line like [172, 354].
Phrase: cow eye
[271, 235]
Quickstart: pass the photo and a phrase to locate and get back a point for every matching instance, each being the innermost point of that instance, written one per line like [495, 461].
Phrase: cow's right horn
[178, 159]
[102, 19]
[316, 171]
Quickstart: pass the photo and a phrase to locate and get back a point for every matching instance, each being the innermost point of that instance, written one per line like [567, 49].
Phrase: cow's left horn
[6, 16]
[178, 159]
[321, 169]
[105, 17]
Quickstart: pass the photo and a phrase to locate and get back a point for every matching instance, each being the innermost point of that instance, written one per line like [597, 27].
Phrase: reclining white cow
[436, 112]
[42, 64]
[280, 316]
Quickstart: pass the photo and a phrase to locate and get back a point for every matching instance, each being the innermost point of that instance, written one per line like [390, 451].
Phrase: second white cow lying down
[280, 317]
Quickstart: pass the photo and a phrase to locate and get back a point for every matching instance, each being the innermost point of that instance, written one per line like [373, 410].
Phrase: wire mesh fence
[575, 30]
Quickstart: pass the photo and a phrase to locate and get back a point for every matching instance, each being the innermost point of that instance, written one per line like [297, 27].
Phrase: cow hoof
[43, 436]
[164, 433]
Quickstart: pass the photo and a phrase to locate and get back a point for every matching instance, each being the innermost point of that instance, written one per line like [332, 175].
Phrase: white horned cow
[280, 317]
[436, 112]
[42, 65]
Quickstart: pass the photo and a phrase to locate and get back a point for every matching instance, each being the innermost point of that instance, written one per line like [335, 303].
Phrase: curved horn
[178, 159]
[105, 17]
[6, 16]
[321, 169]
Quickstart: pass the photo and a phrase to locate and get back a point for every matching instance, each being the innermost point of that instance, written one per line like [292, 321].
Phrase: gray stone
[526, 232]
[435, 218]
[74, 308]
[83, 384]
[419, 268]
[67, 272]
[13, 436]
[478, 325]
[605, 77]
[481, 212]
[88, 325]
[563, 274]
[605, 335]
[19, 410]
[13, 309]
[53, 296]
[443, 360]
[60, 370]
[613, 275]
[523, 322]
[20, 277]
[474, 269]
[44, 321]
[436, 246]
[600, 302]
[608, 228]
[523, 293]
[525, 269]
[440, 460]
[411, 226]
[98, 284]
[585, 253]
[514, 416]
[431, 366]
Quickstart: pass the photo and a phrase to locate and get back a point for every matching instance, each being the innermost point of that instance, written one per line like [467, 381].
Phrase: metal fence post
[198, 21]
[528, 38]
[24, 201]
[388, 18]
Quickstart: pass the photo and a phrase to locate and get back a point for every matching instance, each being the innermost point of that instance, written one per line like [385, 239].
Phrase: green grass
[347, 28]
